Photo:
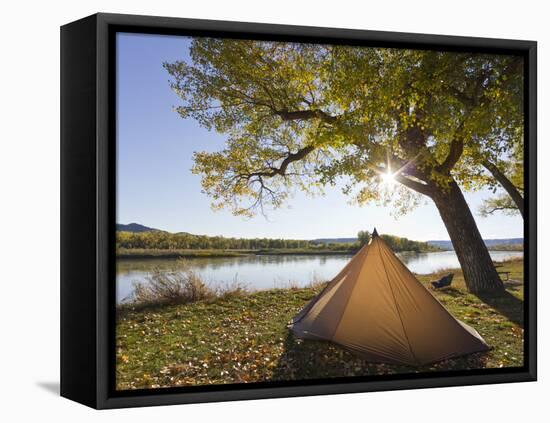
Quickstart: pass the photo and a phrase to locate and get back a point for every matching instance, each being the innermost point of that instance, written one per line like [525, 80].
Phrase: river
[276, 271]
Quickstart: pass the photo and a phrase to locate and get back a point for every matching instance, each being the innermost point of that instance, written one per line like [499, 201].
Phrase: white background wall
[29, 211]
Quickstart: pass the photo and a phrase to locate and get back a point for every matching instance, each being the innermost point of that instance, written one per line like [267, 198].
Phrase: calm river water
[264, 272]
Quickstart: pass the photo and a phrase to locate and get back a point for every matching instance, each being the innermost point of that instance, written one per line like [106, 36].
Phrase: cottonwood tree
[303, 116]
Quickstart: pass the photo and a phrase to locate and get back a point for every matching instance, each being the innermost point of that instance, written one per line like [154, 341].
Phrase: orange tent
[377, 308]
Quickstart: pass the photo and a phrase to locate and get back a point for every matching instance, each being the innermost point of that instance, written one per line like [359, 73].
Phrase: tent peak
[374, 232]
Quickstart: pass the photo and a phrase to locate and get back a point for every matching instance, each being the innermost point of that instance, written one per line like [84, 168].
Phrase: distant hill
[447, 245]
[134, 227]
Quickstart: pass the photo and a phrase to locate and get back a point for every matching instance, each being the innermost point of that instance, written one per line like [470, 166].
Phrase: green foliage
[168, 241]
[301, 116]
[363, 237]
[165, 244]
[503, 203]
[403, 244]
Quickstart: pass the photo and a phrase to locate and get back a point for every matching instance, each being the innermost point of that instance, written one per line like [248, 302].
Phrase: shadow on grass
[307, 359]
[506, 304]
[301, 359]
[453, 292]
[513, 285]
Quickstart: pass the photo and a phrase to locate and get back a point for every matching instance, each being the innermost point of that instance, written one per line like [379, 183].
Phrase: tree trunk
[479, 271]
[506, 184]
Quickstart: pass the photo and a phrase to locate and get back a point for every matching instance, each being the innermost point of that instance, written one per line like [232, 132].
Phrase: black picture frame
[88, 165]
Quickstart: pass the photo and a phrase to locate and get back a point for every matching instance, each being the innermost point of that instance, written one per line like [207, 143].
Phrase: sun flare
[388, 178]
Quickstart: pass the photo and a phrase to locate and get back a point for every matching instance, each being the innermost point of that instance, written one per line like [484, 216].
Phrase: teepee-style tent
[378, 309]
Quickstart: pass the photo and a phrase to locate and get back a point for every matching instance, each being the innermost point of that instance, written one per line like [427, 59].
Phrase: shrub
[180, 285]
[231, 289]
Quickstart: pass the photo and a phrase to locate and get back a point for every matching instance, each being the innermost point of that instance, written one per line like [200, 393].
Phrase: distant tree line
[397, 243]
[182, 241]
[168, 241]
[506, 247]
[363, 237]
[403, 244]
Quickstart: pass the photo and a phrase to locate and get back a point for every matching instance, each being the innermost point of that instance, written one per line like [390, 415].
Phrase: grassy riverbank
[244, 338]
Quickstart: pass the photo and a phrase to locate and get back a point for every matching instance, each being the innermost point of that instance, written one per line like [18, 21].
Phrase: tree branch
[281, 170]
[455, 152]
[292, 157]
[417, 186]
[508, 186]
[407, 167]
[305, 114]
[414, 185]
[494, 209]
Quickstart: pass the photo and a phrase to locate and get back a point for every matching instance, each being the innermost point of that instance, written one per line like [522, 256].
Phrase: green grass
[245, 338]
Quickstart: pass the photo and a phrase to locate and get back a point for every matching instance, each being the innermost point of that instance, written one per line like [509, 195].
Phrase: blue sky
[155, 186]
